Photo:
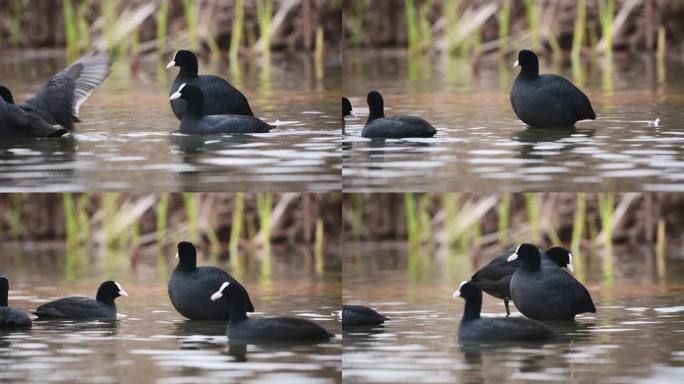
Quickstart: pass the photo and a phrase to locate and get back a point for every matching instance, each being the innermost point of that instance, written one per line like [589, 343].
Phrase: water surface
[481, 145]
[151, 342]
[128, 138]
[637, 334]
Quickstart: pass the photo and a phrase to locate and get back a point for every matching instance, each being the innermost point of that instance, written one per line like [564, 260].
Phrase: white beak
[175, 96]
[176, 255]
[171, 64]
[352, 113]
[512, 257]
[123, 293]
[514, 64]
[457, 293]
[570, 268]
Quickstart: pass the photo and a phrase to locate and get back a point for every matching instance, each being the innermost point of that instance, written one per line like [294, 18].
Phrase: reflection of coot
[534, 136]
[50, 151]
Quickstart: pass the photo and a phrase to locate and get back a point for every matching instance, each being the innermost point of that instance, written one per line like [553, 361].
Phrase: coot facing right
[82, 308]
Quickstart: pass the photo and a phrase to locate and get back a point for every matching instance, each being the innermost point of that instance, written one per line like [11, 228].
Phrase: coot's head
[561, 257]
[467, 290]
[6, 95]
[236, 294]
[187, 255]
[187, 92]
[183, 59]
[376, 106]
[110, 290]
[347, 109]
[529, 63]
[528, 255]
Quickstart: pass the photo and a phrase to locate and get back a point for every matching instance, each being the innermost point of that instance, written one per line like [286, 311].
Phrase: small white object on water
[655, 123]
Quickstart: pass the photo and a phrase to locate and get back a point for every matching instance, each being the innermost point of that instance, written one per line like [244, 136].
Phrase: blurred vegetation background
[236, 226]
[139, 27]
[471, 224]
[472, 28]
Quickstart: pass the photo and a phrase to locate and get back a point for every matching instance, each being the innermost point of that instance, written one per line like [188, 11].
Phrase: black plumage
[222, 98]
[285, 329]
[57, 102]
[474, 327]
[10, 317]
[546, 293]
[380, 127]
[83, 308]
[547, 100]
[190, 287]
[495, 277]
[347, 109]
[195, 122]
[359, 315]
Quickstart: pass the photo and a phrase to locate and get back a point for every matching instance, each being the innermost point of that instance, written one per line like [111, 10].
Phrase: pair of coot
[495, 277]
[209, 293]
[380, 127]
[207, 104]
[75, 307]
[54, 109]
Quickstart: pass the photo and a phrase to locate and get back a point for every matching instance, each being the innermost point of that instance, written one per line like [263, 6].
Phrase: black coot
[546, 100]
[57, 102]
[10, 317]
[495, 277]
[241, 327]
[190, 287]
[78, 307]
[359, 315]
[380, 127]
[546, 293]
[347, 109]
[474, 327]
[222, 98]
[195, 122]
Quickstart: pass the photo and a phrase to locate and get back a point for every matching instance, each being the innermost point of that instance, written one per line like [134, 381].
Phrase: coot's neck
[3, 298]
[531, 265]
[195, 107]
[189, 70]
[473, 306]
[103, 298]
[530, 70]
[188, 263]
[377, 111]
[238, 312]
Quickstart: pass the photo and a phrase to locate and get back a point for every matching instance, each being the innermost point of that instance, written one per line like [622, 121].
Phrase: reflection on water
[636, 335]
[128, 137]
[151, 342]
[481, 145]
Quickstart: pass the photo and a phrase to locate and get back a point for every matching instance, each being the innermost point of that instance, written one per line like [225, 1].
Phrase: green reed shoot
[412, 27]
[606, 205]
[109, 15]
[357, 215]
[358, 9]
[412, 225]
[578, 34]
[578, 228]
[504, 25]
[83, 218]
[236, 229]
[319, 247]
[606, 19]
[450, 201]
[162, 26]
[533, 20]
[236, 34]
[190, 14]
[70, 28]
[451, 25]
[264, 202]
[661, 54]
[190, 204]
[660, 248]
[319, 54]
[504, 213]
[83, 26]
[265, 21]
[532, 205]
[70, 223]
[162, 219]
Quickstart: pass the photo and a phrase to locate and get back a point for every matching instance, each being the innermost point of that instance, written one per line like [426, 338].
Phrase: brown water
[637, 334]
[481, 145]
[129, 139]
[151, 342]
